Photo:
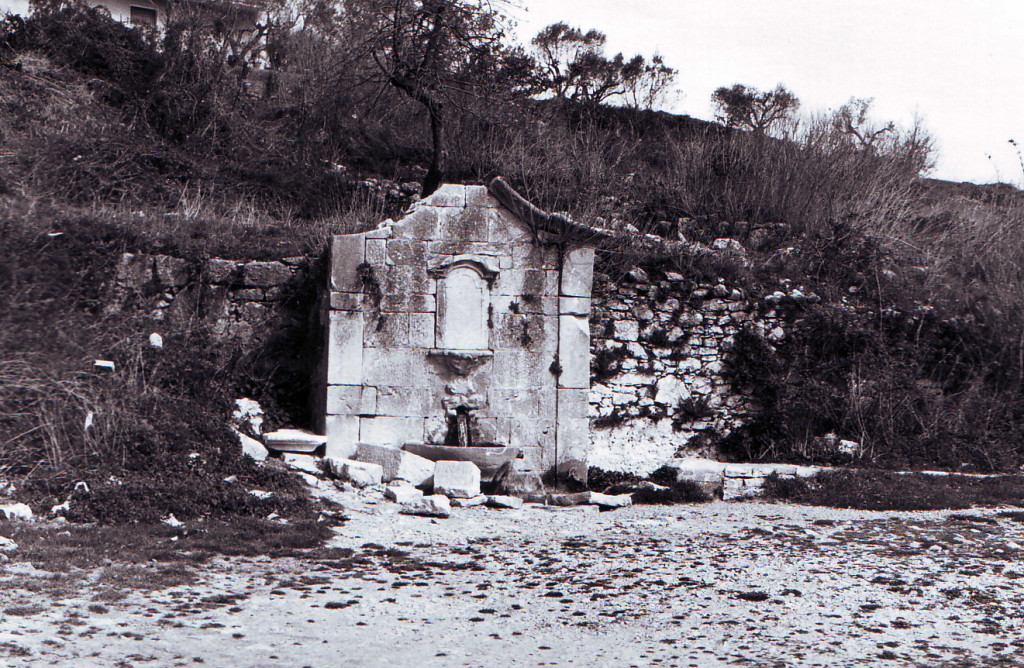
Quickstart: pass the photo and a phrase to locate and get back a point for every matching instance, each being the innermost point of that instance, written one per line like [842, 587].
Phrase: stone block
[479, 196]
[573, 403]
[342, 436]
[501, 501]
[422, 223]
[302, 462]
[171, 271]
[403, 494]
[503, 226]
[398, 367]
[457, 479]
[408, 303]
[534, 255]
[578, 272]
[573, 445]
[266, 274]
[367, 401]
[574, 306]
[437, 505]
[345, 348]
[251, 447]
[573, 352]
[467, 503]
[220, 271]
[344, 399]
[611, 500]
[462, 224]
[390, 430]
[347, 253]
[625, 330]
[347, 301]
[403, 280]
[448, 195]
[390, 330]
[375, 252]
[360, 474]
[15, 511]
[401, 402]
[407, 252]
[293, 440]
[422, 330]
[414, 469]
[669, 391]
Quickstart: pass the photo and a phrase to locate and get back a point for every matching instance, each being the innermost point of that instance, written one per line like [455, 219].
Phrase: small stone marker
[156, 341]
[104, 365]
[457, 479]
[436, 505]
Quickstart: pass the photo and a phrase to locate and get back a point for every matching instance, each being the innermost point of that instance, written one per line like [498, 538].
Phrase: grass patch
[85, 547]
[882, 490]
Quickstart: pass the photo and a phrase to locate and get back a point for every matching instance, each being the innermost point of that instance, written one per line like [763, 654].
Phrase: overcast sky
[959, 64]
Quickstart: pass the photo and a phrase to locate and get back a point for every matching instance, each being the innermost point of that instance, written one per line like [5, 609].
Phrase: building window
[142, 16]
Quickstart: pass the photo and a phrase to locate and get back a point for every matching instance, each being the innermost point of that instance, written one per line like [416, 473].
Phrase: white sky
[959, 64]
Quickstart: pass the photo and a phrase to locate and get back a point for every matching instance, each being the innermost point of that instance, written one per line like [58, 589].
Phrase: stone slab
[403, 494]
[501, 501]
[345, 348]
[578, 272]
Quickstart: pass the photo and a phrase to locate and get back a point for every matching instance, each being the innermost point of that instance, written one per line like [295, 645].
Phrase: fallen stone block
[611, 500]
[293, 440]
[306, 463]
[436, 505]
[259, 494]
[7, 545]
[577, 499]
[251, 447]
[397, 464]
[403, 494]
[15, 511]
[508, 482]
[501, 501]
[592, 498]
[361, 474]
[466, 503]
[457, 479]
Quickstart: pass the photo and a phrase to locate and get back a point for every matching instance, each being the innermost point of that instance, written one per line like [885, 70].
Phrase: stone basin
[488, 458]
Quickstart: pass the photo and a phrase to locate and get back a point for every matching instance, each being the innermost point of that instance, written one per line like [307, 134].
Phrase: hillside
[115, 144]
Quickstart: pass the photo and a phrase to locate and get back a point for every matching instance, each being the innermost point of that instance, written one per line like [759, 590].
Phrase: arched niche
[463, 305]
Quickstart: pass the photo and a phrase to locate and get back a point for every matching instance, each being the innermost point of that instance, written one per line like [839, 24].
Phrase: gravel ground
[750, 584]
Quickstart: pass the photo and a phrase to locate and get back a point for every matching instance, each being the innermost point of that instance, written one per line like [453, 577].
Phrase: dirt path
[722, 583]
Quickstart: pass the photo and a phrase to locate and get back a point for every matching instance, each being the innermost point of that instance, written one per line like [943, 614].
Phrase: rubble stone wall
[236, 297]
[658, 353]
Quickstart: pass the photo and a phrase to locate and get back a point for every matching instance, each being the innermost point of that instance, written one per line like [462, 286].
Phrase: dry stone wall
[236, 297]
[659, 344]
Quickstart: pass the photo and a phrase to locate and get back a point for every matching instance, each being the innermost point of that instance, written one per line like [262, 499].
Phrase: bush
[879, 490]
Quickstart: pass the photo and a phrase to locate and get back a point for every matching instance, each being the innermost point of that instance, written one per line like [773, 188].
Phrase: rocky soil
[723, 583]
